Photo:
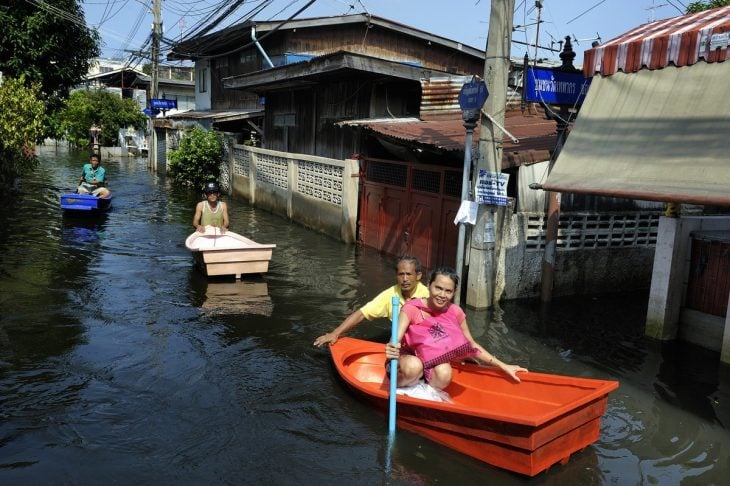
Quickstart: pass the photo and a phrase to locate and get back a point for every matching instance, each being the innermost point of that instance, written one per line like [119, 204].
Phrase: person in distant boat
[408, 286]
[93, 178]
[212, 211]
[432, 332]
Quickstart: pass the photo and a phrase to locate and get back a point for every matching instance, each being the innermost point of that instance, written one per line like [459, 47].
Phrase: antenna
[538, 4]
[596, 38]
[553, 42]
[653, 8]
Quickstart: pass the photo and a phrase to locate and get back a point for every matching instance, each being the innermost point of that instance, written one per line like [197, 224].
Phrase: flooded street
[121, 364]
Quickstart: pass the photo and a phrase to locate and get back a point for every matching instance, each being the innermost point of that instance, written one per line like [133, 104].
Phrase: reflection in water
[244, 297]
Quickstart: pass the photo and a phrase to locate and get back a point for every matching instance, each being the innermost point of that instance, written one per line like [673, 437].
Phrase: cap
[211, 187]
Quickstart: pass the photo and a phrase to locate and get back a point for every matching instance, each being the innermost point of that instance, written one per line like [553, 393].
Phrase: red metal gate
[709, 281]
[409, 209]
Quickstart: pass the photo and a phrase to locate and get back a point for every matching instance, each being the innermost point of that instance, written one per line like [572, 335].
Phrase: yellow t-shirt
[381, 305]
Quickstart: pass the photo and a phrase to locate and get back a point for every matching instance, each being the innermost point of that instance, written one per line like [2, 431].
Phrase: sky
[126, 24]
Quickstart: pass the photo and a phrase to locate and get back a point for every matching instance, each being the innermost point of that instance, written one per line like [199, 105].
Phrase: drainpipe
[258, 46]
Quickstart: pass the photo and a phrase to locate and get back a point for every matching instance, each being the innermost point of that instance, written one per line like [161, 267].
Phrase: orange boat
[524, 427]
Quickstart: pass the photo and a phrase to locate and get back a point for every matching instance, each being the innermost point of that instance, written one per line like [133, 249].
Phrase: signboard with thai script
[555, 87]
[163, 104]
[491, 188]
[472, 97]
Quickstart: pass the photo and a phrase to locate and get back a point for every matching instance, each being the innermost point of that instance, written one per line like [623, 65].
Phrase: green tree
[21, 123]
[48, 43]
[85, 108]
[198, 159]
[695, 7]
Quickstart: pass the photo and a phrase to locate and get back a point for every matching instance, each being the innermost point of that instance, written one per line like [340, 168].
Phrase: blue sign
[555, 87]
[163, 104]
[473, 95]
[150, 112]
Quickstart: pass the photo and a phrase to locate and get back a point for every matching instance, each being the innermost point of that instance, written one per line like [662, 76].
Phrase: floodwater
[121, 364]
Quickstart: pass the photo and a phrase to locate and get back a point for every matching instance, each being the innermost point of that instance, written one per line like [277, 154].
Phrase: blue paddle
[395, 302]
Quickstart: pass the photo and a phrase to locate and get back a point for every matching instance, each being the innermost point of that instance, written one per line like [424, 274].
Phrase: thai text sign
[163, 104]
[491, 188]
[555, 87]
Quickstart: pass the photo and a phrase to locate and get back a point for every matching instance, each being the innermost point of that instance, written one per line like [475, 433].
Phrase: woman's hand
[512, 371]
[392, 351]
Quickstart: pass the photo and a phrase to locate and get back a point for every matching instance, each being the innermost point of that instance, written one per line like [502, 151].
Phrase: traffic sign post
[471, 99]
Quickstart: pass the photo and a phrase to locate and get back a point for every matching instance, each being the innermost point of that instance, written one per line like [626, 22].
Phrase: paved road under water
[121, 364]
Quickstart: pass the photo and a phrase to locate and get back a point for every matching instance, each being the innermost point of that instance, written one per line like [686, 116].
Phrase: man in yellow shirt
[408, 286]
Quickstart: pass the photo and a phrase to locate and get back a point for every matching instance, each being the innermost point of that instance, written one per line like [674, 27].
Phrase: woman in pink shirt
[433, 331]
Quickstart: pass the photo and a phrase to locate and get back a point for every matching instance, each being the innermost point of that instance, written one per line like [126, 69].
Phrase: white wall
[202, 80]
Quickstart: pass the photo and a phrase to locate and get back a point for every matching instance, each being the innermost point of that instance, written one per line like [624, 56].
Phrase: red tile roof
[680, 41]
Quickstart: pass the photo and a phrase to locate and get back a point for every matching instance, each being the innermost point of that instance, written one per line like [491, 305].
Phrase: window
[202, 80]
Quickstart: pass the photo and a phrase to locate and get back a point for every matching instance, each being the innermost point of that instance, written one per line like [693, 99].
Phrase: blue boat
[85, 203]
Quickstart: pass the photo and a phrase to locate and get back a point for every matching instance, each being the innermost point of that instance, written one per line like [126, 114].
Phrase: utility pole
[156, 36]
[484, 286]
[154, 85]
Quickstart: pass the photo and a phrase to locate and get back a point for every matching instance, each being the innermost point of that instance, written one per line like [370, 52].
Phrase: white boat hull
[229, 253]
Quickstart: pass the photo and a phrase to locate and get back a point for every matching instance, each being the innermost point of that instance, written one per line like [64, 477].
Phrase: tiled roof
[680, 41]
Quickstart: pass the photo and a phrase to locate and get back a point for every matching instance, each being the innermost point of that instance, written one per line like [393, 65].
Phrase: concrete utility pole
[485, 283]
[156, 36]
[154, 85]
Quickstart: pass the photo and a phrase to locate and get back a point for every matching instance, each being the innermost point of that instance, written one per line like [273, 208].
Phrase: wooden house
[308, 74]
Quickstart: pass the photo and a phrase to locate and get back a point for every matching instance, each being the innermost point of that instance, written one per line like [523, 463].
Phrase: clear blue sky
[125, 24]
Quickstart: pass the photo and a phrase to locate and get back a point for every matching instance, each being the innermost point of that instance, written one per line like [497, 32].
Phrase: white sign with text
[492, 188]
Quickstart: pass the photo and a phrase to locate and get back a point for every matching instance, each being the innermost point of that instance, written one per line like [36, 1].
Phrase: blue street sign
[150, 112]
[555, 87]
[473, 95]
[163, 104]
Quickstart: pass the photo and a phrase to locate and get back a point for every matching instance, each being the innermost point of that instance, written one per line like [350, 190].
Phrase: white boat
[228, 253]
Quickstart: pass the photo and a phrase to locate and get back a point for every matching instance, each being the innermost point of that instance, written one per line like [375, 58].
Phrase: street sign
[163, 104]
[150, 112]
[555, 87]
[473, 95]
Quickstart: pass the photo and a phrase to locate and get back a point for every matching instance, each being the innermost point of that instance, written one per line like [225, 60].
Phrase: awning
[658, 135]
[216, 115]
[678, 41]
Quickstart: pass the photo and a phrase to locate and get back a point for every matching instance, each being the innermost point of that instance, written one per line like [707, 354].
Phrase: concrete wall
[596, 252]
[666, 317]
[317, 192]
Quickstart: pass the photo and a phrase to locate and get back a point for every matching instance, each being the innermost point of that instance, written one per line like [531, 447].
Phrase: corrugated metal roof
[536, 135]
[680, 41]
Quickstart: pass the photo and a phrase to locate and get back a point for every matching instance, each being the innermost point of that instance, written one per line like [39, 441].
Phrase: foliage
[100, 107]
[695, 7]
[198, 159]
[39, 40]
[21, 123]
[45, 46]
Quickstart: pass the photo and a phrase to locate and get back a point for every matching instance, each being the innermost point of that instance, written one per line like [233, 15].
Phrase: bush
[198, 159]
[21, 123]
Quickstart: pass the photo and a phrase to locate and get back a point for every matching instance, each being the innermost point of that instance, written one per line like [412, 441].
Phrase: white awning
[661, 135]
